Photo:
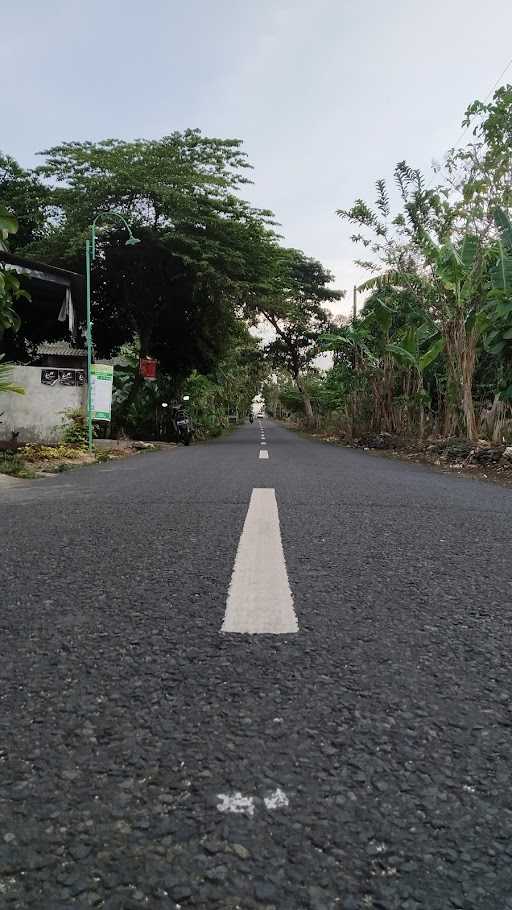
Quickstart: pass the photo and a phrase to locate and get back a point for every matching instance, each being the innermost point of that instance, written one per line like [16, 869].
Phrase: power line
[486, 99]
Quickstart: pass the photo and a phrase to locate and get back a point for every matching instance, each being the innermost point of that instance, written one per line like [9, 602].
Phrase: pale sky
[327, 94]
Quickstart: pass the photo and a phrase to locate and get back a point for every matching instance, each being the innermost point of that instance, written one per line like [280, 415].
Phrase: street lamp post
[90, 255]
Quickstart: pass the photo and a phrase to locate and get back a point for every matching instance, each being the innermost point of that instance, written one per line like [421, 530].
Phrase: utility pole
[90, 255]
[354, 305]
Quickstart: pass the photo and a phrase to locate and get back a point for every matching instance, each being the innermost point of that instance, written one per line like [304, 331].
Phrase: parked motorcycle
[182, 423]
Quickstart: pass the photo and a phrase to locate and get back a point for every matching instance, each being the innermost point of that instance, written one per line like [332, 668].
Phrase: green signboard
[101, 390]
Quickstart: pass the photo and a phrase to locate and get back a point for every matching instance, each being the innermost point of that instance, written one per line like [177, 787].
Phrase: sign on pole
[147, 368]
[101, 390]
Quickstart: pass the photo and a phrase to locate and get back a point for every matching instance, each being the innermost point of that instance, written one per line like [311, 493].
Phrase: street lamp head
[132, 240]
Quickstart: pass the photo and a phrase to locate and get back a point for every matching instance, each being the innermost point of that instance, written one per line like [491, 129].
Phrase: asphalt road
[148, 759]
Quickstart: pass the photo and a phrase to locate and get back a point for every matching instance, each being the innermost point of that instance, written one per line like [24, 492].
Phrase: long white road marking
[259, 598]
[263, 453]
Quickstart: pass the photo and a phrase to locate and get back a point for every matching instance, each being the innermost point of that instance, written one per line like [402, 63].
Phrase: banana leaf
[402, 354]
[501, 272]
[504, 225]
[469, 251]
[432, 354]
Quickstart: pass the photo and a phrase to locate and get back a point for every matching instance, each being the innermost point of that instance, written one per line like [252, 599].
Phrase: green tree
[10, 290]
[456, 291]
[203, 248]
[295, 308]
[22, 191]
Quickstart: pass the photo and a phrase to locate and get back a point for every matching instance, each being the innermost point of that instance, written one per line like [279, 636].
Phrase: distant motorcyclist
[251, 418]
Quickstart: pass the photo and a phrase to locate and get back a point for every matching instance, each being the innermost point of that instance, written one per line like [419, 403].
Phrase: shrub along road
[149, 759]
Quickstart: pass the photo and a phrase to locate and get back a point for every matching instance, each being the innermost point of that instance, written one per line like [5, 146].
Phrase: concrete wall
[38, 414]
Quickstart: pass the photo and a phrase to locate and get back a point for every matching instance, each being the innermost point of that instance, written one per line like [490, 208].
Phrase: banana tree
[407, 351]
[501, 270]
[455, 294]
[496, 316]
[351, 345]
[496, 322]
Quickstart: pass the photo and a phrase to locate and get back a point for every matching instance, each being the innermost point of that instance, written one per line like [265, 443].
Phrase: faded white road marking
[259, 599]
[236, 803]
[262, 443]
[239, 804]
[263, 453]
[276, 800]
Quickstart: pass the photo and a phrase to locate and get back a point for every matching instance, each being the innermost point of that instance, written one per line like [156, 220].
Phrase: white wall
[38, 414]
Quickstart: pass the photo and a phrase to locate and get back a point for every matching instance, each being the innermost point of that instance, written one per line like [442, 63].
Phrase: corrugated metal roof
[60, 349]
[65, 349]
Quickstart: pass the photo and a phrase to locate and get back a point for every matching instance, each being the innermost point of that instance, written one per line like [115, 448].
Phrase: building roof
[60, 349]
[65, 349]
[41, 270]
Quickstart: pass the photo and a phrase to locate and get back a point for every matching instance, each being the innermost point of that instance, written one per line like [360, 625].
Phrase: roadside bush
[75, 429]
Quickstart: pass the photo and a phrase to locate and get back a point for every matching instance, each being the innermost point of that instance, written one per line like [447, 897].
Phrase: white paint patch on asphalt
[259, 599]
[263, 453]
[263, 443]
[276, 800]
[236, 803]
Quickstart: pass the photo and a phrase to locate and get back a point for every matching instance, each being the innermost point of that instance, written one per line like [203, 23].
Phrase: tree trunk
[469, 410]
[461, 359]
[420, 393]
[308, 407]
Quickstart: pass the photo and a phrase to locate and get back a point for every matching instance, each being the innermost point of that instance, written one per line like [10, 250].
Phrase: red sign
[147, 368]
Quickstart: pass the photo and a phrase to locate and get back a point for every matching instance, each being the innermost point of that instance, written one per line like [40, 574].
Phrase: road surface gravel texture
[149, 760]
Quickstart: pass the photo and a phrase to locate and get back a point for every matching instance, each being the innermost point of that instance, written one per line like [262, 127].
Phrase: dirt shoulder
[453, 455]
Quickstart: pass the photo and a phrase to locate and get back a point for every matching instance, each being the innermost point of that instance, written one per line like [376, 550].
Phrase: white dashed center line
[263, 453]
[259, 598]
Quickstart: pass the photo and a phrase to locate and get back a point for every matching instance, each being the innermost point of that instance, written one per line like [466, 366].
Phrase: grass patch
[15, 467]
[36, 453]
